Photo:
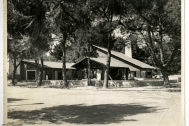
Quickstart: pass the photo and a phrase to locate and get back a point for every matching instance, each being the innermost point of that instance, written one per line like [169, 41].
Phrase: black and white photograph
[93, 62]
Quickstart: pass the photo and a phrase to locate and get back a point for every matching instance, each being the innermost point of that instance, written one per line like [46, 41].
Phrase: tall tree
[108, 12]
[17, 40]
[159, 24]
[63, 24]
[68, 16]
[32, 23]
[17, 49]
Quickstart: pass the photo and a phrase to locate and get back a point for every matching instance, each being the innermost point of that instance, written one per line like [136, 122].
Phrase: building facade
[122, 67]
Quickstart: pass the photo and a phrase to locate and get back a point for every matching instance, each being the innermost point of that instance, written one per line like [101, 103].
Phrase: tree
[17, 52]
[63, 24]
[69, 16]
[108, 12]
[74, 52]
[158, 23]
[38, 46]
[17, 42]
[57, 53]
[82, 47]
[29, 19]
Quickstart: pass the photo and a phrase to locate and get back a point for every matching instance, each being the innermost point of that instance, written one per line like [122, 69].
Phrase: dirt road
[83, 107]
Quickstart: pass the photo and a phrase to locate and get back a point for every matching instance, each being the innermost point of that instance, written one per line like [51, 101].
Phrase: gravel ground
[35, 106]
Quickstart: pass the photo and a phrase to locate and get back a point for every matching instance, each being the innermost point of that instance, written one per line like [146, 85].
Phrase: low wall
[112, 83]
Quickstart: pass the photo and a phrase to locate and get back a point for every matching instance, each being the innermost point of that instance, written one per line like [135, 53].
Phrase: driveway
[34, 106]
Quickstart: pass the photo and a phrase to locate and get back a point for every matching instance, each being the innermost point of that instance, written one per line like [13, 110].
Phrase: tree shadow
[81, 114]
[11, 100]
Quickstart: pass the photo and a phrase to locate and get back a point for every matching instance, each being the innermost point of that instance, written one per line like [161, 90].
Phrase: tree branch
[161, 47]
[67, 13]
[19, 63]
[172, 55]
[150, 47]
[139, 12]
[126, 27]
[37, 62]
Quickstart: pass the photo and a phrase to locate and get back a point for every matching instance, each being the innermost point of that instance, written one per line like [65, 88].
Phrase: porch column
[131, 75]
[56, 75]
[124, 73]
[99, 74]
[86, 74]
[138, 73]
[126, 70]
[44, 75]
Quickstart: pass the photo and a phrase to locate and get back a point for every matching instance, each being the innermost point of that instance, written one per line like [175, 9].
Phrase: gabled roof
[114, 63]
[95, 62]
[50, 64]
[131, 61]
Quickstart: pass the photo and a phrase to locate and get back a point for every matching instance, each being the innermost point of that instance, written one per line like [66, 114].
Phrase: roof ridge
[113, 51]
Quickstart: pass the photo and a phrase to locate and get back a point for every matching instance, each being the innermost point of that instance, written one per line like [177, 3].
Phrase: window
[30, 74]
[148, 73]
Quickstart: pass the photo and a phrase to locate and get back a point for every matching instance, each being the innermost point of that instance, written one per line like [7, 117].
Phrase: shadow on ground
[27, 104]
[81, 114]
[11, 100]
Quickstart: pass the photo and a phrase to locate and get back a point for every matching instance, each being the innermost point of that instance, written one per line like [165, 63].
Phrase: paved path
[94, 107]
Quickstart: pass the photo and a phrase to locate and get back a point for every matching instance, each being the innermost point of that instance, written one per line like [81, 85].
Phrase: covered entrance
[118, 69]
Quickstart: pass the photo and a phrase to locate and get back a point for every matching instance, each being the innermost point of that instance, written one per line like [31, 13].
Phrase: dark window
[30, 75]
[148, 73]
[59, 75]
[134, 73]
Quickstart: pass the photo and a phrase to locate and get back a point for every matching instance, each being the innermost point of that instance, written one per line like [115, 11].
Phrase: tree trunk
[41, 73]
[38, 77]
[88, 72]
[14, 71]
[165, 78]
[65, 84]
[107, 68]
[13, 77]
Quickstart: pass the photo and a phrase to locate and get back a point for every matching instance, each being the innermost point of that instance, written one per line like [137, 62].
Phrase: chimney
[128, 50]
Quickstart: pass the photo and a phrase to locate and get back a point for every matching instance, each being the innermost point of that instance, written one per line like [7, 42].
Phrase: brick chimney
[128, 50]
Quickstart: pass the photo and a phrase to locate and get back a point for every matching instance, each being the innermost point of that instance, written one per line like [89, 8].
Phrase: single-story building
[132, 67]
[52, 70]
[122, 67]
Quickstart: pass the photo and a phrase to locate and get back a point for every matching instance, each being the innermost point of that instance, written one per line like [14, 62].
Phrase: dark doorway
[59, 75]
[116, 73]
[48, 76]
[30, 75]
